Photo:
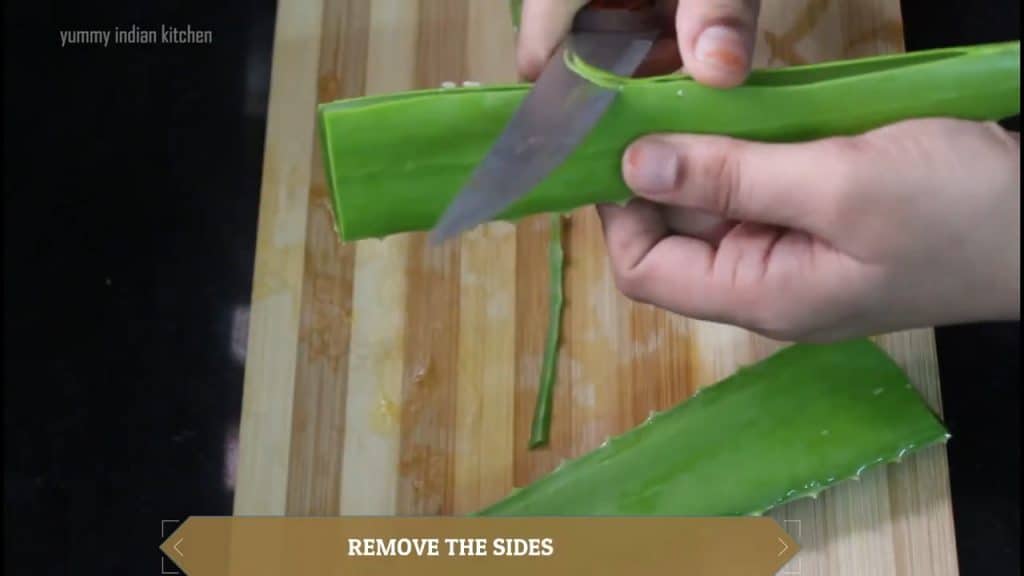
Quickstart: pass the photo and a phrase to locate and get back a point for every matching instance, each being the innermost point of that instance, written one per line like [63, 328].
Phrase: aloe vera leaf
[515, 8]
[806, 418]
[394, 162]
[541, 428]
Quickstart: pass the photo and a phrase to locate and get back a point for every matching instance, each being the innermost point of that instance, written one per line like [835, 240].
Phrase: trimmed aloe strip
[394, 162]
[806, 418]
[541, 427]
[515, 8]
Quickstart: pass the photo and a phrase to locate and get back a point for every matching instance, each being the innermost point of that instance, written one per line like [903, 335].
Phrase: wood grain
[321, 373]
[272, 350]
[393, 377]
[484, 456]
[374, 411]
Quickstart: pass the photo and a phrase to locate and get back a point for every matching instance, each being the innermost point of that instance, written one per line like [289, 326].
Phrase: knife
[559, 111]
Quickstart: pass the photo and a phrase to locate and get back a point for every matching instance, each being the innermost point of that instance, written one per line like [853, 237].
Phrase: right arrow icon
[784, 547]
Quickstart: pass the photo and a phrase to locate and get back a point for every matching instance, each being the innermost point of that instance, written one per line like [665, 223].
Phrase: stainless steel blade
[555, 116]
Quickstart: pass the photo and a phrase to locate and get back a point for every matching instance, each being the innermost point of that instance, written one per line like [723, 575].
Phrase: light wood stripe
[375, 380]
[655, 372]
[594, 317]
[485, 395]
[862, 524]
[921, 509]
[484, 429]
[265, 429]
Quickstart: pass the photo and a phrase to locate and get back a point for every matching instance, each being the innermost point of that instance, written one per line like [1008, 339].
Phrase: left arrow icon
[174, 547]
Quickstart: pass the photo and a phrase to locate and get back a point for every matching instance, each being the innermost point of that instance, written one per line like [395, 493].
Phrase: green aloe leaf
[799, 421]
[515, 8]
[540, 430]
[394, 162]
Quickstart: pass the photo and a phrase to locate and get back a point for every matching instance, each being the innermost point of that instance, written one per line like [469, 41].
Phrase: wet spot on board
[385, 416]
[584, 395]
[498, 308]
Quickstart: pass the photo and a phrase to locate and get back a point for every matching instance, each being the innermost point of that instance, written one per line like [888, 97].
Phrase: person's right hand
[911, 225]
[712, 40]
[914, 224]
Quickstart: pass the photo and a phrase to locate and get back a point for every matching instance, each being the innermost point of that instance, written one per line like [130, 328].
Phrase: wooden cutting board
[389, 377]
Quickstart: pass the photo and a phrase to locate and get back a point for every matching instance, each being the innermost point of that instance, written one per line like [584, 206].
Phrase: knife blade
[555, 116]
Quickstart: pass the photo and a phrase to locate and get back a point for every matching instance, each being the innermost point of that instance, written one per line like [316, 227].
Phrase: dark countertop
[126, 290]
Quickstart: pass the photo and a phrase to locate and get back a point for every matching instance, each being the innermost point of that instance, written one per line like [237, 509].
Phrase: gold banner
[385, 546]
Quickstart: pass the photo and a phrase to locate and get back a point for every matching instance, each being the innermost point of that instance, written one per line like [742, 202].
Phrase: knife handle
[627, 5]
[617, 16]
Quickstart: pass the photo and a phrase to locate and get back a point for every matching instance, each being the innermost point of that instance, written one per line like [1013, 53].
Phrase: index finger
[543, 26]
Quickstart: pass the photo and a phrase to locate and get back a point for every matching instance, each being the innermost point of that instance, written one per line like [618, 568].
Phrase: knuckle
[628, 282]
[631, 282]
[773, 319]
[841, 194]
[843, 153]
[722, 179]
[528, 64]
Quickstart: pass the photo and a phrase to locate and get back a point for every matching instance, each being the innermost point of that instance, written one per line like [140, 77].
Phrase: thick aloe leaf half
[394, 162]
[806, 418]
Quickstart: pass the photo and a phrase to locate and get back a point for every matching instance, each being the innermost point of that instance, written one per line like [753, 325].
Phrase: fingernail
[652, 167]
[722, 47]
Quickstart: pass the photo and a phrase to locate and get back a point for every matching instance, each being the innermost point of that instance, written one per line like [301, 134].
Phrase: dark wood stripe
[321, 375]
[427, 433]
[658, 374]
[697, 374]
[426, 472]
[441, 42]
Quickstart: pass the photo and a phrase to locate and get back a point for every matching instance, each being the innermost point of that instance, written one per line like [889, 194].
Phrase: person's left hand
[713, 41]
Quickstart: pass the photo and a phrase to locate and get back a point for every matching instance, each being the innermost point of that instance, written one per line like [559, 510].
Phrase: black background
[131, 189]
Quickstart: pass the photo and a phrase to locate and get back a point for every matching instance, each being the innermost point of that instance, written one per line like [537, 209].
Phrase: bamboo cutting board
[390, 377]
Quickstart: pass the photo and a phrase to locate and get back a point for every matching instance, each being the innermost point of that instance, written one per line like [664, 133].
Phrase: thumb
[716, 39]
[791, 185]
[543, 26]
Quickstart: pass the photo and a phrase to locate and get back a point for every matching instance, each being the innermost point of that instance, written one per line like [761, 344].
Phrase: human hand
[713, 41]
[914, 224]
